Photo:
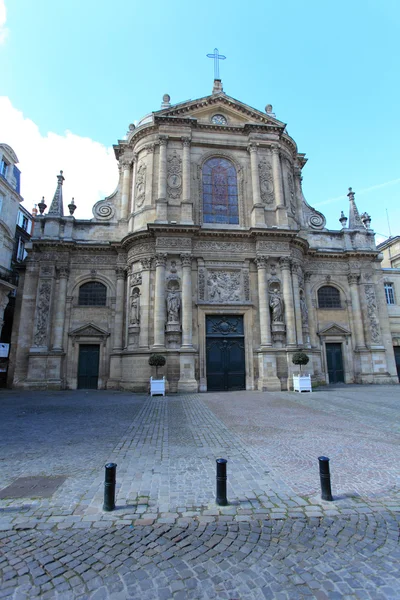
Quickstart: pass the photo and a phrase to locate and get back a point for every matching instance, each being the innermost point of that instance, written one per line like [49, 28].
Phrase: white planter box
[302, 383]
[157, 386]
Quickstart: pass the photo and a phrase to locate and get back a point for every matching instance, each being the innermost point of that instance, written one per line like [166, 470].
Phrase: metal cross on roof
[216, 56]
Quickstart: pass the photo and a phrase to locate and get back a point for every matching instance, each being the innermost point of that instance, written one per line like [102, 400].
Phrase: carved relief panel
[140, 185]
[266, 181]
[174, 176]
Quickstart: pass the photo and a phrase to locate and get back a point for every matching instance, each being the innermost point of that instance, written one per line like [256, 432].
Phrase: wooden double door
[225, 353]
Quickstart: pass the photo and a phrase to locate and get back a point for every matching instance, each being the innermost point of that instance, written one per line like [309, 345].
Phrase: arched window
[328, 297]
[220, 195]
[92, 293]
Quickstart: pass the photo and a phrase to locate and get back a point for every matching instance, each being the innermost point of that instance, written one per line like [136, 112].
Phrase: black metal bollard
[325, 477]
[221, 498]
[109, 486]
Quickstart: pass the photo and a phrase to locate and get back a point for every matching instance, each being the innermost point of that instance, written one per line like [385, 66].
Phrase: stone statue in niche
[173, 306]
[135, 307]
[276, 304]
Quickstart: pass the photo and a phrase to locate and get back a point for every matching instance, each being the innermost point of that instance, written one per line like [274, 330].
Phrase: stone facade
[208, 220]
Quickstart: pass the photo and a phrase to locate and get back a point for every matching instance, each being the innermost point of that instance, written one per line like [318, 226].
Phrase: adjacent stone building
[209, 254]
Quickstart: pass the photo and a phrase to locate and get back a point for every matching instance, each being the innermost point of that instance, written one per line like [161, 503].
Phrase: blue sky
[76, 73]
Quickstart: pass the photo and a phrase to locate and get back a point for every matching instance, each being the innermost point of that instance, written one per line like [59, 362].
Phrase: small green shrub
[300, 358]
[157, 360]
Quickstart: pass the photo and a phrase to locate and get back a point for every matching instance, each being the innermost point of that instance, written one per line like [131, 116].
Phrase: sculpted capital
[261, 261]
[285, 262]
[161, 260]
[186, 260]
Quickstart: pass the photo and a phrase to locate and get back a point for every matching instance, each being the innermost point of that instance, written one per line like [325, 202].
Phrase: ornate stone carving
[285, 262]
[169, 242]
[246, 285]
[353, 278]
[372, 312]
[226, 247]
[303, 310]
[135, 307]
[146, 264]
[46, 271]
[150, 148]
[103, 210]
[62, 272]
[174, 176]
[136, 279]
[43, 311]
[202, 282]
[266, 181]
[270, 246]
[261, 262]
[186, 260]
[163, 140]
[223, 287]
[186, 142]
[140, 185]
[120, 272]
[94, 259]
[161, 260]
[141, 249]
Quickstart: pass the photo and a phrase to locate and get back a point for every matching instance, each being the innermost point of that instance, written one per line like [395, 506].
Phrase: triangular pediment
[236, 113]
[334, 329]
[89, 330]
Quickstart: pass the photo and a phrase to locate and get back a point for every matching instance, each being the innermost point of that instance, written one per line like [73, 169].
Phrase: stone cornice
[343, 254]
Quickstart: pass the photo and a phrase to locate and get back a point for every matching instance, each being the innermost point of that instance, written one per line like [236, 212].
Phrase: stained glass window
[220, 196]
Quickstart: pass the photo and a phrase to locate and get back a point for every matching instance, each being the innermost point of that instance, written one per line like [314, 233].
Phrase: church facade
[208, 254]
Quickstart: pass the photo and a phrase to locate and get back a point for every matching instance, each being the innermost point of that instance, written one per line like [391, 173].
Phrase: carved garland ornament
[174, 176]
[266, 182]
[372, 309]
[43, 309]
[140, 184]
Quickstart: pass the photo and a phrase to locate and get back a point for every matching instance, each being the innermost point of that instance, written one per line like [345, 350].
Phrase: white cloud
[90, 169]
[3, 19]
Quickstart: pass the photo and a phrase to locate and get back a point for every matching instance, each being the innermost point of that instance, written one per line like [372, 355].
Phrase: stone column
[356, 310]
[297, 308]
[133, 192]
[126, 174]
[61, 301]
[288, 300]
[186, 205]
[159, 302]
[278, 188]
[145, 303]
[161, 206]
[258, 212]
[311, 311]
[186, 300]
[119, 309]
[263, 301]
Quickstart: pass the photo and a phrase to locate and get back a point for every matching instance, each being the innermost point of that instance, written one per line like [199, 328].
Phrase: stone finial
[343, 219]
[366, 220]
[354, 215]
[56, 207]
[166, 101]
[72, 207]
[42, 206]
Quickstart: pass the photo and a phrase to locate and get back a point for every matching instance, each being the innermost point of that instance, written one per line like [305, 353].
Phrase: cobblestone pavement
[167, 538]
